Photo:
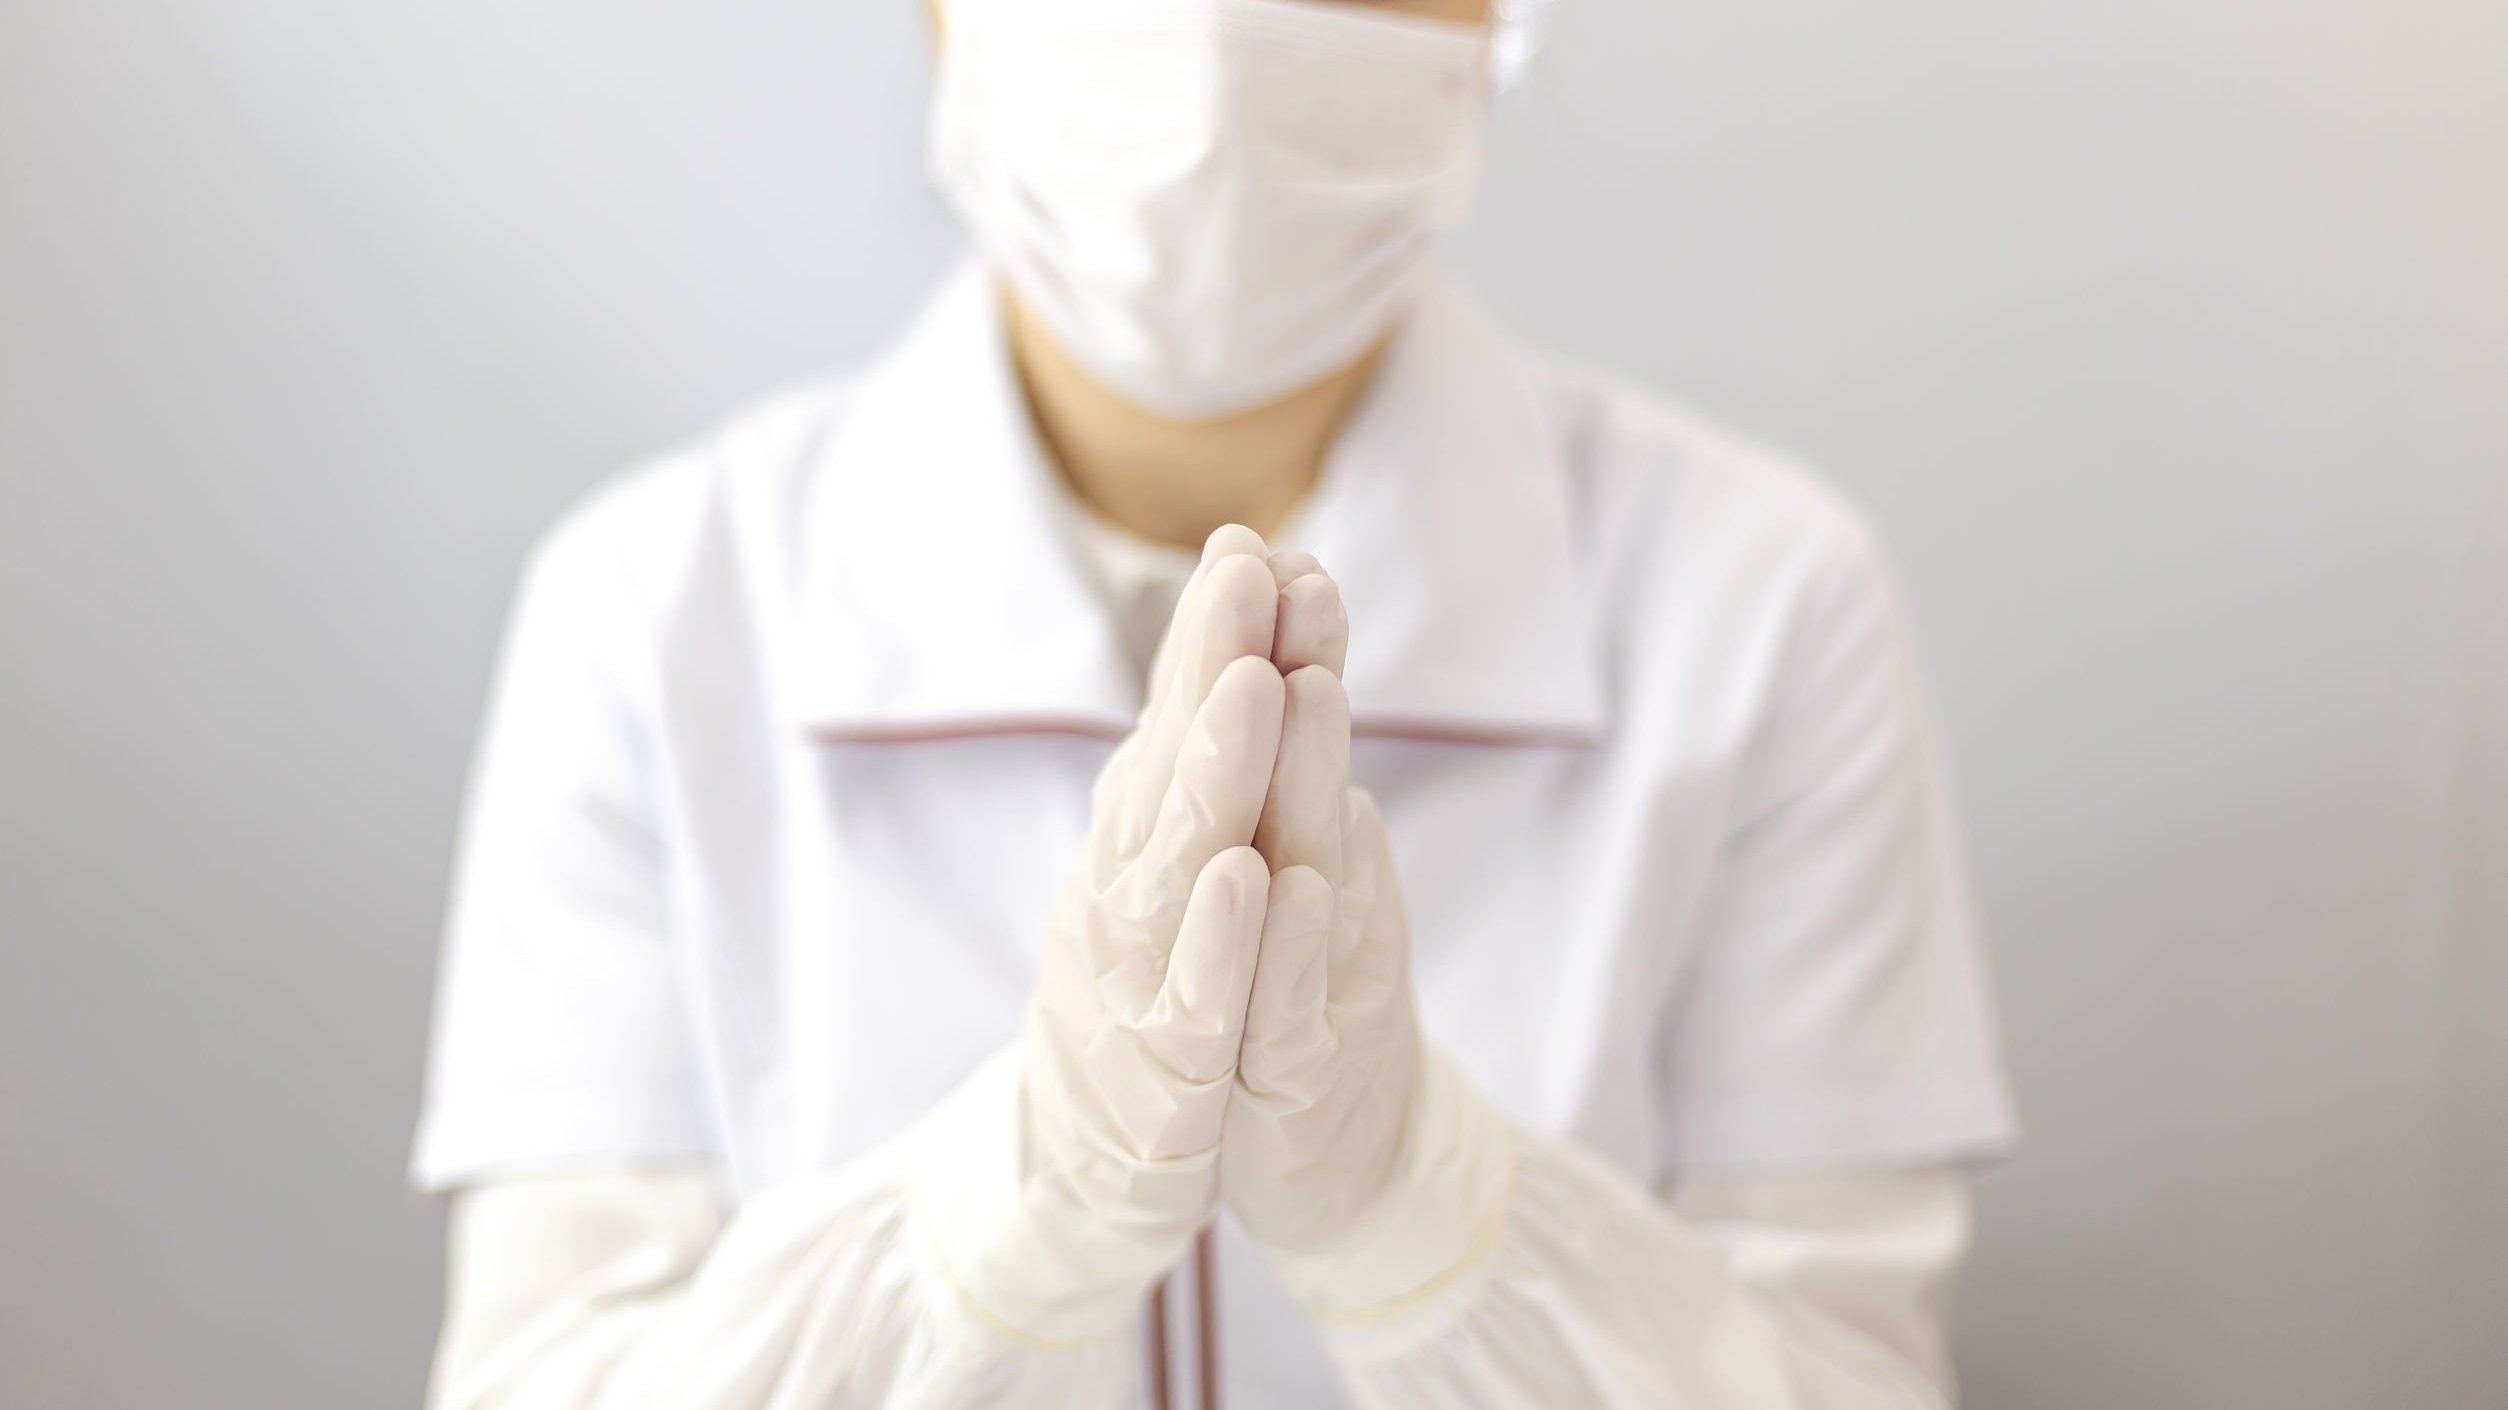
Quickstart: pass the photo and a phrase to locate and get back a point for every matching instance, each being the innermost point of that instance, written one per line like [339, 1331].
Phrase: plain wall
[2168, 338]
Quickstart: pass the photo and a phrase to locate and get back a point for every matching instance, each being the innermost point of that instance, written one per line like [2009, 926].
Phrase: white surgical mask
[1208, 203]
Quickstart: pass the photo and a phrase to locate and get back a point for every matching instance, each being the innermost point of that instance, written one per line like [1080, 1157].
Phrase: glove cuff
[1022, 1254]
[1435, 1219]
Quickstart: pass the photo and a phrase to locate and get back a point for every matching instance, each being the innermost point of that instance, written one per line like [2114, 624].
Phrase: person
[1487, 929]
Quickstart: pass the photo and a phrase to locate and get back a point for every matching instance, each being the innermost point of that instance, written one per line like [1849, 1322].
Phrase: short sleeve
[558, 1035]
[1836, 1007]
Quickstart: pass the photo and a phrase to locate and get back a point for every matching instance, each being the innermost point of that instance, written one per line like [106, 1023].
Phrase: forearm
[996, 1253]
[608, 1292]
[1767, 1292]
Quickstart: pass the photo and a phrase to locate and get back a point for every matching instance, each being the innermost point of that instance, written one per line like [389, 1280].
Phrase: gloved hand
[1074, 1170]
[1359, 1158]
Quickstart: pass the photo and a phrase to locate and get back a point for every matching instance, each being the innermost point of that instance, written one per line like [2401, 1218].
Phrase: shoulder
[1673, 492]
[1733, 583]
[648, 534]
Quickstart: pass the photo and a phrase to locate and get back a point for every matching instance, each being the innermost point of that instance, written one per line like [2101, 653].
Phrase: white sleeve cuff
[1594, 1294]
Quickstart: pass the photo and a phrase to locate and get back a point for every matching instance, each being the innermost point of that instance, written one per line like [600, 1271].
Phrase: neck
[1175, 481]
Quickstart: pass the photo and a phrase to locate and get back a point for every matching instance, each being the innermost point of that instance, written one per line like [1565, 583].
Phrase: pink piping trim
[1402, 731]
[937, 732]
[1429, 732]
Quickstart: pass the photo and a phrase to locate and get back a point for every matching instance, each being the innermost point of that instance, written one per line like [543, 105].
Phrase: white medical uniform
[795, 732]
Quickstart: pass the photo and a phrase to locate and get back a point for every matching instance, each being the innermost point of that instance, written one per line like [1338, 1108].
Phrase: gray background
[2167, 337]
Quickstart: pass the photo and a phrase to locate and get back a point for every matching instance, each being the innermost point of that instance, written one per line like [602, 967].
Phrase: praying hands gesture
[1223, 1006]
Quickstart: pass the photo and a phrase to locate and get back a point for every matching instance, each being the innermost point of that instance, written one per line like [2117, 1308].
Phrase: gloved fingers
[1302, 816]
[1229, 615]
[1314, 627]
[1227, 541]
[1196, 1023]
[1288, 565]
[1240, 612]
[1288, 1038]
[1375, 982]
[1160, 1075]
[1214, 796]
[1368, 919]
[1165, 695]
[1370, 961]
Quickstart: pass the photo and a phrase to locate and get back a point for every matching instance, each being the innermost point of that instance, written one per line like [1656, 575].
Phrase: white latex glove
[1358, 1158]
[1074, 1169]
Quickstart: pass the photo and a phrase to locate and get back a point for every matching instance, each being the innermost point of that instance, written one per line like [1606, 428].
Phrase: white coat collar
[942, 598]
